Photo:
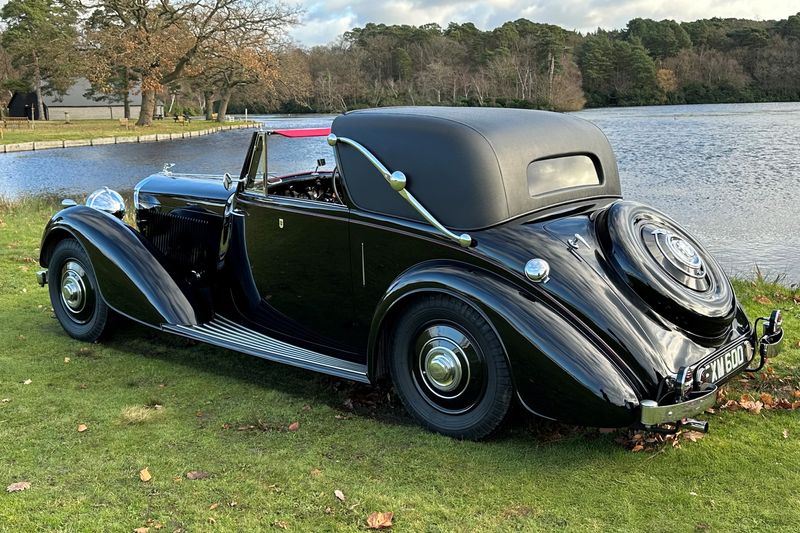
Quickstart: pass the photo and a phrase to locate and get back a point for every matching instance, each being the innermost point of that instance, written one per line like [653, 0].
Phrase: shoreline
[33, 146]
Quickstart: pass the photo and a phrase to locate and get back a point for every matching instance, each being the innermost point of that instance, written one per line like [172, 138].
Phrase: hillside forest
[210, 56]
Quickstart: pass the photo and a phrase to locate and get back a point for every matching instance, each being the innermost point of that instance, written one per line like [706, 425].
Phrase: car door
[299, 253]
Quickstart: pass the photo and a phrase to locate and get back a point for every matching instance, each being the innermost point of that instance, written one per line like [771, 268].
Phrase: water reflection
[729, 172]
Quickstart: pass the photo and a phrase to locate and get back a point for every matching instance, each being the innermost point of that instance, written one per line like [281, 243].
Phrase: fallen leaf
[281, 524]
[380, 520]
[19, 486]
[27, 382]
[6, 400]
[212, 520]
[693, 436]
[315, 472]
[196, 474]
[328, 510]
[82, 428]
[767, 399]
[710, 411]
[213, 506]
[232, 504]
[67, 359]
[763, 300]
[785, 433]
[306, 407]
[692, 493]
[339, 494]
[144, 475]
[796, 393]
[637, 448]
[294, 426]
[141, 530]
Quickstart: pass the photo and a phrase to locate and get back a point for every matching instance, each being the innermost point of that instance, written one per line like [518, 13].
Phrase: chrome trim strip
[221, 331]
[397, 181]
[363, 269]
[654, 414]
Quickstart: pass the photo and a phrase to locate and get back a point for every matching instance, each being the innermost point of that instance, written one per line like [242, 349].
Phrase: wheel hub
[443, 368]
[678, 257]
[73, 291]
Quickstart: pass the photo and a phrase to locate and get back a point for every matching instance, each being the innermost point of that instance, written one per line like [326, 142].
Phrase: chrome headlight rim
[108, 201]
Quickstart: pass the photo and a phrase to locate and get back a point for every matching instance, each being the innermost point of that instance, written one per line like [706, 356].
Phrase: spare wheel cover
[668, 268]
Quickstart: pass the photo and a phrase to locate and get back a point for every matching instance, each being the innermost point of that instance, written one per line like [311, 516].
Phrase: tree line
[233, 54]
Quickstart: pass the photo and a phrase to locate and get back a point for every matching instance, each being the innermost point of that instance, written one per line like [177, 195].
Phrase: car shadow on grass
[377, 402]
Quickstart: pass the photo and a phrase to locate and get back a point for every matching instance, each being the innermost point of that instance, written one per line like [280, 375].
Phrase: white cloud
[325, 21]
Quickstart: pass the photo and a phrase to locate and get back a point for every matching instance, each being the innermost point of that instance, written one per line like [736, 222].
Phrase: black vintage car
[476, 256]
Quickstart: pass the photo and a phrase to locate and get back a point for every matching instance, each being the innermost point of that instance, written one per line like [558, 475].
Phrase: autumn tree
[158, 39]
[40, 40]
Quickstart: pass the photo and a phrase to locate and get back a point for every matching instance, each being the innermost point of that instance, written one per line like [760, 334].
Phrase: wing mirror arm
[397, 181]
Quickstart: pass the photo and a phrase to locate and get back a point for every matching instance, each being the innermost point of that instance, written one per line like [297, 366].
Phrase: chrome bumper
[654, 414]
[768, 344]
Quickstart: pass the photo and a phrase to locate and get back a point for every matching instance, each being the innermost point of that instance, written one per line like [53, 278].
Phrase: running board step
[223, 332]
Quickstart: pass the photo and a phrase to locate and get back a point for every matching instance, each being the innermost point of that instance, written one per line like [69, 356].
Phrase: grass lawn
[154, 401]
[58, 130]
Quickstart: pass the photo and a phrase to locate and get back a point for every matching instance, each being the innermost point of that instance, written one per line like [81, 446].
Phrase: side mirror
[228, 181]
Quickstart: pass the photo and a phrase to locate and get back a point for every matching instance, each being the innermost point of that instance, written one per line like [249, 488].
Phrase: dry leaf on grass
[27, 382]
[196, 474]
[763, 300]
[213, 506]
[6, 400]
[19, 486]
[315, 472]
[339, 495]
[280, 524]
[693, 436]
[141, 530]
[82, 428]
[785, 433]
[380, 520]
[67, 359]
[144, 475]
[294, 426]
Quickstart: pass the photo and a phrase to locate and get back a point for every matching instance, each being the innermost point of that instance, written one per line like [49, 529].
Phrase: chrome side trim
[397, 181]
[654, 414]
[363, 268]
[226, 333]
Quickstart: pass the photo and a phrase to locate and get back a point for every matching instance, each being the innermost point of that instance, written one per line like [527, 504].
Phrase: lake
[729, 172]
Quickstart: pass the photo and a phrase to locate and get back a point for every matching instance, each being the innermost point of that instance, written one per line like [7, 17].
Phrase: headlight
[107, 200]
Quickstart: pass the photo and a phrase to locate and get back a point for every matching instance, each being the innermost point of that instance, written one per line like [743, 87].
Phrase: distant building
[75, 102]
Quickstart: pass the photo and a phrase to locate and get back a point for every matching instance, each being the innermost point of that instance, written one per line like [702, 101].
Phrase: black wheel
[668, 267]
[73, 292]
[449, 368]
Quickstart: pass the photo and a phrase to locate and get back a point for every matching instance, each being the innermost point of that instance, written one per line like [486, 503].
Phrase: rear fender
[558, 371]
[130, 278]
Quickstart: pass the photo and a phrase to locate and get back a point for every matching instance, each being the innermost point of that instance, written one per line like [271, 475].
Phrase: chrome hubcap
[448, 368]
[677, 256]
[73, 291]
[77, 293]
[443, 368]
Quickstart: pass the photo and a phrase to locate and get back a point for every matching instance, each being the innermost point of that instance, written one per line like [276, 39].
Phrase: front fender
[559, 372]
[130, 278]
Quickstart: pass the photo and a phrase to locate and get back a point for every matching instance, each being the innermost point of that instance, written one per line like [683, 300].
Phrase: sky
[324, 21]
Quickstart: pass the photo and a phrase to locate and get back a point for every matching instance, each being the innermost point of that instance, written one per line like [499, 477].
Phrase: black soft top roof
[467, 166]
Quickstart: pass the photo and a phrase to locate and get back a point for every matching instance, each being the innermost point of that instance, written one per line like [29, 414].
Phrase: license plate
[726, 363]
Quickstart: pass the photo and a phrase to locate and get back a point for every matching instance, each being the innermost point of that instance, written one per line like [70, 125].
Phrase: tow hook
[693, 424]
[41, 278]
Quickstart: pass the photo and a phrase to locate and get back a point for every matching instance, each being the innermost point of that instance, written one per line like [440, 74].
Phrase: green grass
[227, 414]
[58, 130]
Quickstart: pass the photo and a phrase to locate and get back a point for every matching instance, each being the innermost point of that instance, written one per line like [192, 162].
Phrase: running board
[223, 332]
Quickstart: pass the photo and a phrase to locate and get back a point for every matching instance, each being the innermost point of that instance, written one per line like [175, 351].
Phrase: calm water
[730, 172]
